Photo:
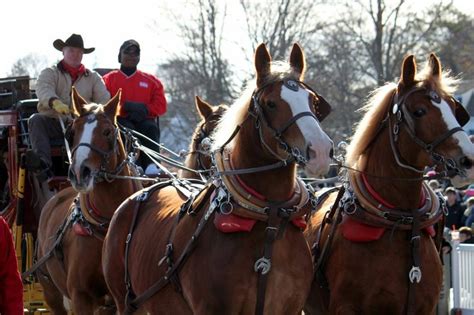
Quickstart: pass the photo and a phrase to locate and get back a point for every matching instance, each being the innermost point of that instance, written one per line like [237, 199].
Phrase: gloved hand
[60, 107]
[136, 112]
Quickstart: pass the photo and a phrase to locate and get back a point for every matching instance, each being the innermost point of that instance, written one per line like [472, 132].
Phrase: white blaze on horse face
[464, 142]
[82, 152]
[318, 141]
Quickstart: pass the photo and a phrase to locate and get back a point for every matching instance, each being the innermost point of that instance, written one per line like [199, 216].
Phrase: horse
[73, 223]
[373, 239]
[175, 262]
[198, 156]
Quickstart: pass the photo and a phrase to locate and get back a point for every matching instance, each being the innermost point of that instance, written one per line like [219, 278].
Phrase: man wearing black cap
[143, 99]
[53, 88]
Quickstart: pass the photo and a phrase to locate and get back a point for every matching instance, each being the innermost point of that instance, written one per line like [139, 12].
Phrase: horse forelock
[94, 108]
[237, 112]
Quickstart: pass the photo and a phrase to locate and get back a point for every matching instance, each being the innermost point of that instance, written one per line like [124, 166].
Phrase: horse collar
[247, 204]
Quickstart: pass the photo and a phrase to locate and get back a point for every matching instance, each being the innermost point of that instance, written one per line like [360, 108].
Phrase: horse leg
[52, 295]
[82, 303]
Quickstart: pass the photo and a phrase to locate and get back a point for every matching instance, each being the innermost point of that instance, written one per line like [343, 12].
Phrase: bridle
[103, 173]
[321, 107]
[404, 118]
[202, 142]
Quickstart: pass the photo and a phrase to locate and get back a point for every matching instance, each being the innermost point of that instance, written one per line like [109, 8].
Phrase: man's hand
[60, 107]
[136, 112]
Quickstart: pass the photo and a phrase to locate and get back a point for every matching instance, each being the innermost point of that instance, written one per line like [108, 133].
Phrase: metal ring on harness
[262, 265]
[226, 208]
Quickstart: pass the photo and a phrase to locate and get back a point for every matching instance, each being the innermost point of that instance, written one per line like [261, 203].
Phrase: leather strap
[263, 265]
[332, 217]
[133, 302]
[56, 245]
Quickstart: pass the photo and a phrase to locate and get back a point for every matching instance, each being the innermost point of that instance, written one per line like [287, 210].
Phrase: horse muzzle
[319, 158]
[465, 172]
[83, 180]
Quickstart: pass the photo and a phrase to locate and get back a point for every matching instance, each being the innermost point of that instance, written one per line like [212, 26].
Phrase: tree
[31, 65]
[282, 23]
[454, 42]
[199, 69]
[364, 49]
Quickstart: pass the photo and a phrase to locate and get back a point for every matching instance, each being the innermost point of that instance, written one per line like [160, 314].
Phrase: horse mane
[237, 112]
[376, 109]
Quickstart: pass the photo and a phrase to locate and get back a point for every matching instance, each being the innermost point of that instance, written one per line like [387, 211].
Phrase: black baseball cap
[127, 44]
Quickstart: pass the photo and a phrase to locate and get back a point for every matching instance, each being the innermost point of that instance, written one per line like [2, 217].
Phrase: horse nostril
[465, 162]
[310, 153]
[331, 153]
[85, 172]
[71, 174]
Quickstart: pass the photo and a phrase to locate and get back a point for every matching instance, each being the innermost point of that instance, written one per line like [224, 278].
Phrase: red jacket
[139, 87]
[11, 287]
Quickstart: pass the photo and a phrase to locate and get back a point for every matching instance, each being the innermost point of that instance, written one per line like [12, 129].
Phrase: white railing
[463, 277]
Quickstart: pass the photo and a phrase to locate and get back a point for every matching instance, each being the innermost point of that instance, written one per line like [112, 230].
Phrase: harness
[227, 197]
[357, 202]
[401, 115]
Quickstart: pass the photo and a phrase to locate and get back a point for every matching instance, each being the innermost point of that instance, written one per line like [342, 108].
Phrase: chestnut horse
[74, 269]
[198, 157]
[175, 263]
[374, 250]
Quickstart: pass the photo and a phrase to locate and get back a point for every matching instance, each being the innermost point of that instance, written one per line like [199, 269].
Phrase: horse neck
[275, 185]
[380, 162]
[191, 161]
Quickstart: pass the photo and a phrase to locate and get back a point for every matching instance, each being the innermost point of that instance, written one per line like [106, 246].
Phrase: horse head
[429, 121]
[95, 143]
[199, 150]
[289, 113]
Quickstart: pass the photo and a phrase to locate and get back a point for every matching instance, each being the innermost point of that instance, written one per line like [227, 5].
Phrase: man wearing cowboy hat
[53, 89]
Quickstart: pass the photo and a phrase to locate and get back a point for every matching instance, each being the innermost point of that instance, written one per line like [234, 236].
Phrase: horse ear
[435, 65]
[262, 63]
[204, 109]
[78, 102]
[297, 60]
[111, 108]
[407, 78]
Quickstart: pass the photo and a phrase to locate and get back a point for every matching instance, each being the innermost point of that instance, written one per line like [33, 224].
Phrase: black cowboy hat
[73, 41]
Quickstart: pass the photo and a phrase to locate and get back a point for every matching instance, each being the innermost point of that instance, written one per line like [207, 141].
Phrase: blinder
[321, 107]
[461, 114]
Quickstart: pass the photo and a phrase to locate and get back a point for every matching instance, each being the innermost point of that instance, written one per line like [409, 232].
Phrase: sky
[31, 26]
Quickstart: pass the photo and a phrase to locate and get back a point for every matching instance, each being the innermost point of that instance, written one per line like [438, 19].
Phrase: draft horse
[176, 262]
[373, 241]
[198, 155]
[73, 223]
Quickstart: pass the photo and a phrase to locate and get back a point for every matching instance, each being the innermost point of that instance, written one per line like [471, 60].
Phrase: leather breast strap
[254, 208]
[370, 212]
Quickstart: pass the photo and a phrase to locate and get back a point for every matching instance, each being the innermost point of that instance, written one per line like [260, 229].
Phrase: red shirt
[11, 287]
[139, 87]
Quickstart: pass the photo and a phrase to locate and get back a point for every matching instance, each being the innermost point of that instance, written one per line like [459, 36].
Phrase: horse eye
[107, 132]
[419, 112]
[271, 105]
